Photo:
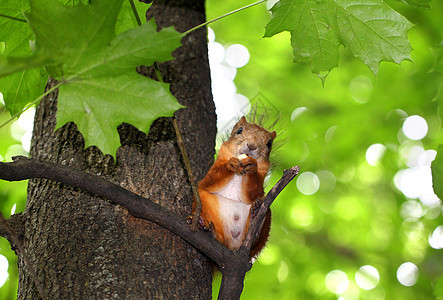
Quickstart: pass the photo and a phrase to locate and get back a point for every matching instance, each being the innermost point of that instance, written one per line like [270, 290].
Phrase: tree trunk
[82, 246]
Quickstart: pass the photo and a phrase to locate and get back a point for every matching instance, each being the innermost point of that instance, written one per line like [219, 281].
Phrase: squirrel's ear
[273, 134]
[242, 120]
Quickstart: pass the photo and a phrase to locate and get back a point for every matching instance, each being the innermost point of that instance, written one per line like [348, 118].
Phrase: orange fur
[232, 185]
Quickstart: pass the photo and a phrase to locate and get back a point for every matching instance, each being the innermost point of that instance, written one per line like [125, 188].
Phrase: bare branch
[233, 265]
[24, 168]
[257, 222]
[233, 276]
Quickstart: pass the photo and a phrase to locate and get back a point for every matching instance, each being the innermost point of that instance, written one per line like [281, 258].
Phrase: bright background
[361, 221]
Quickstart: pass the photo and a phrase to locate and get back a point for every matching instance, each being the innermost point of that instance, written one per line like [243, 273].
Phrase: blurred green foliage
[355, 218]
[11, 194]
[358, 220]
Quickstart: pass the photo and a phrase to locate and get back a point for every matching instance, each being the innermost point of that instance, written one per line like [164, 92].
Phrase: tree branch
[24, 168]
[233, 276]
[233, 265]
[257, 222]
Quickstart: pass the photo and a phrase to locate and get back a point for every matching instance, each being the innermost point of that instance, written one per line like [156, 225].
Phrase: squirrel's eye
[240, 130]
[269, 144]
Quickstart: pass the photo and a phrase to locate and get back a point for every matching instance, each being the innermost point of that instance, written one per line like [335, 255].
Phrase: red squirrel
[231, 188]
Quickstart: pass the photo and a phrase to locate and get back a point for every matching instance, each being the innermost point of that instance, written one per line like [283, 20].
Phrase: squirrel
[233, 188]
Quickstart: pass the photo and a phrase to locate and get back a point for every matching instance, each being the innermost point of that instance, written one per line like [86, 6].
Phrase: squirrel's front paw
[249, 165]
[234, 165]
[243, 166]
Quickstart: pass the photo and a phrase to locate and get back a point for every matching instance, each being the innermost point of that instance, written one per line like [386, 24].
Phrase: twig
[198, 206]
[257, 222]
[223, 16]
[233, 276]
[19, 245]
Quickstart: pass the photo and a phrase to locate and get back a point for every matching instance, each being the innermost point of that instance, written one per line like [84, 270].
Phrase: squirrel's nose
[252, 146]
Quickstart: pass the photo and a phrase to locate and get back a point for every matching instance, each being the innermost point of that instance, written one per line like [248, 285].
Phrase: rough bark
[82, 246]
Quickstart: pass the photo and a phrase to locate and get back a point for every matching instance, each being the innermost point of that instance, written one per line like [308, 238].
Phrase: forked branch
[233, 265]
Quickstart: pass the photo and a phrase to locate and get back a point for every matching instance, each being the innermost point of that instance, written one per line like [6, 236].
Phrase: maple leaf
[97, 68]
[370, 29]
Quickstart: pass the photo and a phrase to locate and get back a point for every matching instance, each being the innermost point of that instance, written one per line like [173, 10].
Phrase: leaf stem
[134, 10]
[223, 16]
[13, 18]
[31, 104]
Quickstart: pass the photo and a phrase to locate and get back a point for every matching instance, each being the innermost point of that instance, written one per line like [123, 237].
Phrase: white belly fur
[234, 212]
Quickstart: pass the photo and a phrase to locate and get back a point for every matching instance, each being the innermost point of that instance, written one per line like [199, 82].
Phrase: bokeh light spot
[337, 282]
[297, 112]
[211, 35]
[216, 52]
[14, 207]
[367, 277]
[407, 274]
[327, 181]
[411, 209]
[3, 270]
[374, 153]
[283, 271]
[26, 119]
[414, 182]
[237, 55]
[330, 133]
[436, 238]
[415, 127]
[411, 153]
[360, 88]
[301, 215]
[308, 183]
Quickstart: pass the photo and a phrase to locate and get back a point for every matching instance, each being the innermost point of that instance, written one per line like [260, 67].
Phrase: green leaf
[370, 29]
[101, 88]
[20, 88]
[142, 45]
[10, 65]
[127, 20]
[72, 34]
[134, 101]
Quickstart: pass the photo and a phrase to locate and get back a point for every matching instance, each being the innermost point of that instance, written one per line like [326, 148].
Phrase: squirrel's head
[250, 139]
